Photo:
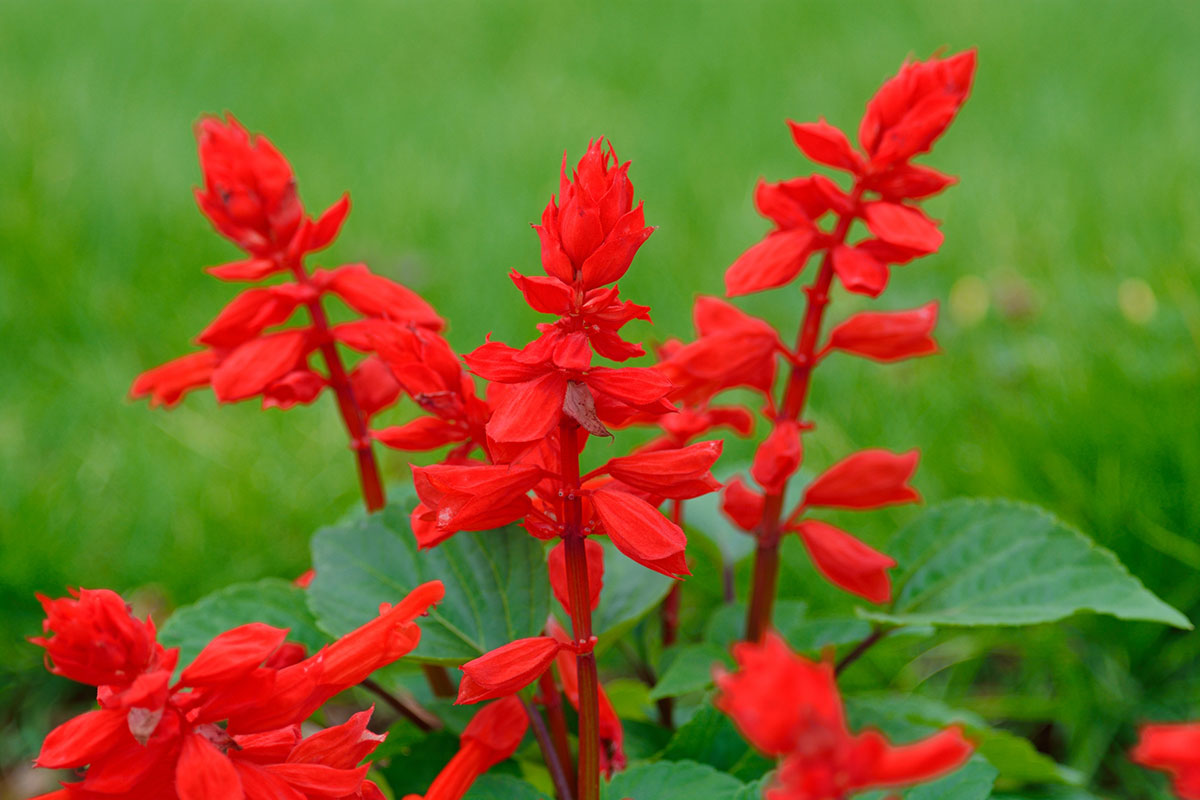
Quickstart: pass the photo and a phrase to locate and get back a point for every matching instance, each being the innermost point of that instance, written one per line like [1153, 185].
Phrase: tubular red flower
[641, 532]
[825, 144]
[888, 335]
[773, 262]
[1174, 749]
[790, 707]
[778, 457]
[506, 670]
[474, 497]
[742, 505]
[867, 479]
[93, 638]
[679, 474]
[493, 735]
[847, 562]
[167, 383]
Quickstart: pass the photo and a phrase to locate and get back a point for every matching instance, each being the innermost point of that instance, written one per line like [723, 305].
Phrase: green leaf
[502, 787]
[996, 562]
[414, 758]
[630, 592]
[755, 790]
[273, 601]
[690, 669]
[913, 716]
[496, 586]
[974, 781]
[728, 623]
[812, 634]
[710, 737]
[667, 780]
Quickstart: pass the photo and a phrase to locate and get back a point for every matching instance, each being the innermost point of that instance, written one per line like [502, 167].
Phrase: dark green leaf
[271, 600]
[630, 592]
[667, 780]
[503, 787]
[995, 562]
[496, 586]
[690, 669]
[709, 737]
[413, 758]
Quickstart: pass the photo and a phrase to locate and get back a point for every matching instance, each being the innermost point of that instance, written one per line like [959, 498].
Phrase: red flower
[732, 349]
[472, 497]
[493, 734]
[678, 474]
[846, 562]
[1174, 749]
[887, 335]
[506, 670]
[778, 457]
[867, 479]
[149, 739]
[790, 707]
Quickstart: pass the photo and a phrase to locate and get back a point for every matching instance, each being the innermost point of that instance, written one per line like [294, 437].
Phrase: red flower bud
[506, 670]
[866, 479]
[678, 474]
[93, 638]
[888, 335]
[846, 562]
[778, 457]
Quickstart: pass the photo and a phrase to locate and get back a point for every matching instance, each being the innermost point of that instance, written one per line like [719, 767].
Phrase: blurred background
[1069, 284]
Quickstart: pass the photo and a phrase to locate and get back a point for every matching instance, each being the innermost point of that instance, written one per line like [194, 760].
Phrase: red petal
[204, 773]
[262, 785]
[328, 226]
[580, 228]
[475, 496]
[259, 363]
[679, 474]
[778, 457]
[496, 361]
[847, 562]
[775, 261]
[547, 295]
[374, 386]
[529, 410]
[888, 335]
[640, 387]
[233, 654]
[867, 479]
[641, 532]
[168, 383]
[910, 182]
[423, 433]
[612, 259]
[825, 144]
[83, 739]
[506, 670]
[298, 387]
[922, 761]
[498, 728]
[903, 226]
[376, 296]
[859, 271]
[557, 565]
[795, 203]
[742, 505]
[320, 780]
[252, 269]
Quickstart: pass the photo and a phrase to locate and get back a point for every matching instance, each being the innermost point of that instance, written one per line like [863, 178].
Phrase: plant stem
[439, 680]
[670, 623]
[406, 708]
[355, 421]
[588, 786]
[561, 789]
[552, 700]
[866, 644]
[766, 556]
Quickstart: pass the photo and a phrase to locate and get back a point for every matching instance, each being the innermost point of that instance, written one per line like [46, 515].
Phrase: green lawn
[1077, 222]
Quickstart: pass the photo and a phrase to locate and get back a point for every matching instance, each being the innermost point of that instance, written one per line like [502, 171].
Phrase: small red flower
[867, 479]
[1174, 749]
[790, 708]
[887, 335]
[492, 735]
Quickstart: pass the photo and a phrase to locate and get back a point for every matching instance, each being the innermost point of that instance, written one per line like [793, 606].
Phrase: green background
[1070, 374]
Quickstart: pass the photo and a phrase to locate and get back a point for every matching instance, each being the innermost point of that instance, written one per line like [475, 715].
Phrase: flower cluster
[250, 197]
[789, 708]
[735, 349]
[229, 727]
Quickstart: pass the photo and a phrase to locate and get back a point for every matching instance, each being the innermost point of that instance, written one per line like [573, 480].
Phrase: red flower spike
[773, 262]
[788, 706]
[1174, 749]
[778, 457]
[557, 565]
[93, 638]
[867, 479]
[888, 335]
[641, 532]
[678, 474]
[506, 669]
[913, 108]
[826, 145]
[846, 562]
[742, 505]
[903, 226]
[493, 735]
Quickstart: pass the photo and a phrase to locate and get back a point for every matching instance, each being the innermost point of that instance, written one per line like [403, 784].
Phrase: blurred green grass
[1078, 154]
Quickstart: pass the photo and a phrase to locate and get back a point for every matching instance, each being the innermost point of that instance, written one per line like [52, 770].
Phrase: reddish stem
[552, 700]
[670, 622]
[562, 789]
[766, 556]
[588, 787]
[352, 416]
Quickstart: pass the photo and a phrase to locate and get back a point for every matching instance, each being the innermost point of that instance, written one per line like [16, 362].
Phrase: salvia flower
[492, 735]
[790, 708]
[1174, 749]
[229, 727]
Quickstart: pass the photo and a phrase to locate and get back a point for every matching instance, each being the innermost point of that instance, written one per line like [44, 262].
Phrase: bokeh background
[1069, 280]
